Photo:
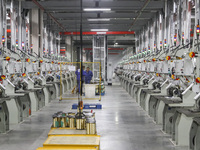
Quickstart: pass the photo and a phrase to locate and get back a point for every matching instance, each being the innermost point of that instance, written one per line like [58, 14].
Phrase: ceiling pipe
[140, 12]
[49, 14]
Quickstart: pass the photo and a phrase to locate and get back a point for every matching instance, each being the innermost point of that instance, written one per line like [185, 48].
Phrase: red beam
[89, 49]
[116, 49]
[97, 33]
[62, 50]
[113, 53]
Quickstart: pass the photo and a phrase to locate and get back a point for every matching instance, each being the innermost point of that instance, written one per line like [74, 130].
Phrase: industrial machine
[165, 83]
[28, 82]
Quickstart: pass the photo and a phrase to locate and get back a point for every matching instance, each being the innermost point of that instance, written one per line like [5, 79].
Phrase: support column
[19, 35]
[35, 30]
[45, 41]
[68, 43]
[54, 44]
[41, 32]
[58, 47]
[50, 42]
[13, 26]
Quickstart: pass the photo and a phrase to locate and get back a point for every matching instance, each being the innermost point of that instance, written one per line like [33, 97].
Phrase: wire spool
[80, 123]
[59, 120]
[63, 122]
[67, 121]
[72, 114]
[91, 126]
[55, 121]
[71, 121]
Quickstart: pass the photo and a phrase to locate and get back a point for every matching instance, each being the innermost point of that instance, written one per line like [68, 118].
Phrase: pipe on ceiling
[50, 15]
[140, 12]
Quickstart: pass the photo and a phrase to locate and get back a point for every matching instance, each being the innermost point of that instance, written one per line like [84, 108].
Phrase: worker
[88, 76]
[78, 77]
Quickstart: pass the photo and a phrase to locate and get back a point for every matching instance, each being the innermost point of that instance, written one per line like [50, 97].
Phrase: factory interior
[100, 75]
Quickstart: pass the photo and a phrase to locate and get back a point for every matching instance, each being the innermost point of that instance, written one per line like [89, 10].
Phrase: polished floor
[122, 124]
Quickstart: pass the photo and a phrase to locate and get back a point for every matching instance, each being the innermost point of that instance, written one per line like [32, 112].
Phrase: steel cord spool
[59, 120]
[91, 126]
[55, 121]
[80, 123]
[71, 121]
[63, 120]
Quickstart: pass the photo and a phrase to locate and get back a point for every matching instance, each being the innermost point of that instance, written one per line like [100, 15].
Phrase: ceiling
[122, 15]
[125, 15]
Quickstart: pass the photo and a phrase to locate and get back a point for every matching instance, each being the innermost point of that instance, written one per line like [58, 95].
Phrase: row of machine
[166, 84]
[28, 83]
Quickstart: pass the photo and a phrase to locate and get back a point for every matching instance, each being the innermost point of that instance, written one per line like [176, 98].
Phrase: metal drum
[91, 126]
[71, 121]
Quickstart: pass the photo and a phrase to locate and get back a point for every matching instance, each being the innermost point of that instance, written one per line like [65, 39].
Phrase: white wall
[115, 59]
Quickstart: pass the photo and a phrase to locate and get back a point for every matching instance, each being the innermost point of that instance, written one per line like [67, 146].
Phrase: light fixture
[116, 43]
[99, 19]
[97, 9]
[99, 30]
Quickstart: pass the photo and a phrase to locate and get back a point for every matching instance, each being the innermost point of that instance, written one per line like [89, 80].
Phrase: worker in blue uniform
[88, 76]
[78, 77]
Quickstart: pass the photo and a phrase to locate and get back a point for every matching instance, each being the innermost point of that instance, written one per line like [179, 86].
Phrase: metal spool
[63, 122]
[59, 120]
[71, 121]
[91, 126]
[80, 123]
[67, 121]
[55, 121]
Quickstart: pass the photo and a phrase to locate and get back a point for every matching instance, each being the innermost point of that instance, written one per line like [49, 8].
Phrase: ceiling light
[116, 43]
[99, 19]
[99, 29]
[97, 9]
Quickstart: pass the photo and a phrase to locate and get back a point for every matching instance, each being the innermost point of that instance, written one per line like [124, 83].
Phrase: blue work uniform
[88, 77]
[78, 78]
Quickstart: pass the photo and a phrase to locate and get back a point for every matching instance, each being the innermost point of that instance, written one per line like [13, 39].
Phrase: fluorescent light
[99, 29]
[97, 9]
[99, 19]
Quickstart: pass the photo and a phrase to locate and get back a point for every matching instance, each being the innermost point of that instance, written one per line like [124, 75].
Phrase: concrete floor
[122, 124]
